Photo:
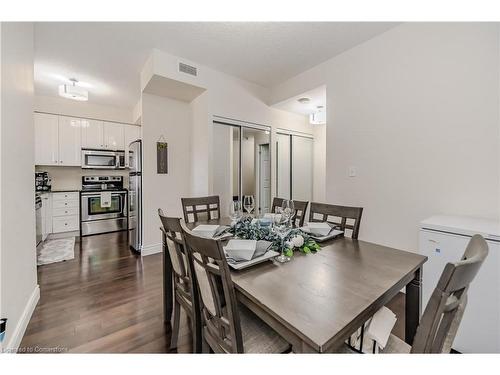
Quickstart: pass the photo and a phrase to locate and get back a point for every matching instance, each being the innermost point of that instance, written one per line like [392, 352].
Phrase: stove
[104, 205]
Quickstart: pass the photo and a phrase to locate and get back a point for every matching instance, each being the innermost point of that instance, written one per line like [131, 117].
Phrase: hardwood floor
[106, 300]
[109, 300]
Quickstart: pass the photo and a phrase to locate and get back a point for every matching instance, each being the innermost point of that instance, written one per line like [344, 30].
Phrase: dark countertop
[64, 191]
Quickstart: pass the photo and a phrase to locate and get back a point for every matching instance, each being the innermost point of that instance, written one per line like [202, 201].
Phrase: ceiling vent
[188, 69]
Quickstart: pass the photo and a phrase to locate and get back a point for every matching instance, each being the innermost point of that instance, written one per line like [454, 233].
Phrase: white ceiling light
[304, 100]
[73, 91]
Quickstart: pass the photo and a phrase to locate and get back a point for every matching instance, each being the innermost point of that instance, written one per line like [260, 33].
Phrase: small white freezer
[443, 239]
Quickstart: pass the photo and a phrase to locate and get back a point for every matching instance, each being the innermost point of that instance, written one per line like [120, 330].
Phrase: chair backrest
[201, 208]
[176, 247]
[347, 218]
[300, 209]
[443, 313]
[219, 307]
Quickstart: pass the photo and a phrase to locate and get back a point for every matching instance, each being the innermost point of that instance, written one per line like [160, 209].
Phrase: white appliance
[443, 239]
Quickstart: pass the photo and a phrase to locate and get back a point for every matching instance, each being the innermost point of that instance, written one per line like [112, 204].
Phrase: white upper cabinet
[70, 144]
[114, 136]
[92, 134]
[46, 139]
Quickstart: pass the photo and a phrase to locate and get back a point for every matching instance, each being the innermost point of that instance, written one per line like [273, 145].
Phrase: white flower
[298, 241]
[289, 244]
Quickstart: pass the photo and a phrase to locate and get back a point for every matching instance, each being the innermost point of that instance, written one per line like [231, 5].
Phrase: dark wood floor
[109, 300]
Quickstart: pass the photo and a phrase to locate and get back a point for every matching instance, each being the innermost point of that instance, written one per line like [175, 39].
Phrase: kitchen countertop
[64, 191]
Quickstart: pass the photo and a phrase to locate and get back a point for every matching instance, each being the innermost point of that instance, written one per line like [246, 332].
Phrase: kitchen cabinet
[46, 215]
[46, 139]
[57, 140]
[65, 212]
[92, 134]
[132, 133]
[70, 146]
[114, 136]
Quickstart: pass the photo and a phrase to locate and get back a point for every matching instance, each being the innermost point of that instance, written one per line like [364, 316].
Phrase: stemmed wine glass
[248, 203]
[282, 228]
[235, 211]
[288, 208]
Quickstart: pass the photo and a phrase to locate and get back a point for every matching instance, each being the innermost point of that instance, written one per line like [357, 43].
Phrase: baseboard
[18, 333]
[151, 249]
[56, 236]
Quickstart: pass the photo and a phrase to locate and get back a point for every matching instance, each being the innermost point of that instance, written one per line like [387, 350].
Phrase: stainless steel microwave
[103, 159]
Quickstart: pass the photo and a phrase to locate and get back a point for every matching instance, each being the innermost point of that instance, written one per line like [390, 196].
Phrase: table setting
[254, 238]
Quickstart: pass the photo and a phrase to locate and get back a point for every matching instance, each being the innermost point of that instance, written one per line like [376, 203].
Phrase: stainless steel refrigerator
[135, 195]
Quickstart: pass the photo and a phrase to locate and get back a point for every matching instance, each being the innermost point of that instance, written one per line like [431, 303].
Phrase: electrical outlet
[352, 172]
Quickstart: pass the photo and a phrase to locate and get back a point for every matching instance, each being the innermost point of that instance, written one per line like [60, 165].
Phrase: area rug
[57, 250]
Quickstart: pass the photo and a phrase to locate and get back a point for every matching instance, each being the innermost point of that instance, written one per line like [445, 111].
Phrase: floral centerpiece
[296, 239]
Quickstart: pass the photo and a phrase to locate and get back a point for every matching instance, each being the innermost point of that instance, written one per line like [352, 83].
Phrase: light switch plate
[352, 172]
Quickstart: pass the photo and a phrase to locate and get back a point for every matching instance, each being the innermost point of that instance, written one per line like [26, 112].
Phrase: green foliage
[246, 230]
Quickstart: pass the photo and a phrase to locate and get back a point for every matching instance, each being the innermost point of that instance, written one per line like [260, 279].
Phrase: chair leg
[205, 348]
[175, 327]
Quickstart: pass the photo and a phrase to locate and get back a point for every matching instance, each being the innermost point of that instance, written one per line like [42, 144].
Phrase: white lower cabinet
[65, 212]
[46, 215]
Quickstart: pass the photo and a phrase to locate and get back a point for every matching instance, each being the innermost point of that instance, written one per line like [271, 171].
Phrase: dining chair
[300, 209]
[344, 217]
[201, 208]
[443, 313]
[183, 290]
[228, 326]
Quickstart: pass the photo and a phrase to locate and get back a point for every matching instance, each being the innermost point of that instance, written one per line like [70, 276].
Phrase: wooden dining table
[317, 301]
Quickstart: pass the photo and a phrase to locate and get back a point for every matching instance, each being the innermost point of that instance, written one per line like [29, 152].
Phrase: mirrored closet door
[241, 165]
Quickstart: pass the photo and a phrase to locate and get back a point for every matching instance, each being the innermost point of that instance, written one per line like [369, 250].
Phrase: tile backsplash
[69, 178]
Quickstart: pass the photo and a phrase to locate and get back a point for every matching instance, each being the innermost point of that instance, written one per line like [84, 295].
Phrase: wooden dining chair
[182, 281]
[201, 208]
[300, 209]
[344, 217]
[228, 327]
[443, 313]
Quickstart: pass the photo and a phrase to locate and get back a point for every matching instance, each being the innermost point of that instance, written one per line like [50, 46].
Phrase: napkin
[206, 231]
[245, 250]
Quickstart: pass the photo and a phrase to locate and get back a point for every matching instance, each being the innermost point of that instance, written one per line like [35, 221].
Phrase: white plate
[241, 265]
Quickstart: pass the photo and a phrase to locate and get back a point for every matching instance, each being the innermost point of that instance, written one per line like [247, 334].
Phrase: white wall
[225, 96]
[58, 105]
[172, 119]
[19, 291]
[319, 163]
[416, 111]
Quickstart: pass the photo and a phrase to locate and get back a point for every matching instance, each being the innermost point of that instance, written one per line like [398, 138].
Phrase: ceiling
[107, 57]
[317, 97]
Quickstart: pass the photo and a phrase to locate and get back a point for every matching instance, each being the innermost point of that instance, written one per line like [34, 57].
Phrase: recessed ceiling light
[303, 100]
[73, 91]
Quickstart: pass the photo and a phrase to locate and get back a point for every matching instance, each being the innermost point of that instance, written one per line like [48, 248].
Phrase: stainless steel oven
[104, 205]
[102, 159]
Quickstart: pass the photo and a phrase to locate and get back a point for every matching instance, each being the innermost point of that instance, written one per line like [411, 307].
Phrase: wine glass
[235, 211]
[282, 228]
[288, 209]
[248, 203]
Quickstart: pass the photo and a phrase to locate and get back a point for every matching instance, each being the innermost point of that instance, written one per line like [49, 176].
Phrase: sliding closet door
[302, 168]
[283, 166]
[226, 161]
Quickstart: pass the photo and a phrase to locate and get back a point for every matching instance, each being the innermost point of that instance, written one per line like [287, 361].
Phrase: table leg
[413, 306]
[168, 294]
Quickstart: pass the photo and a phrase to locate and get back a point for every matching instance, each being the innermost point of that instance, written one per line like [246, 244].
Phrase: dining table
[317, 301]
